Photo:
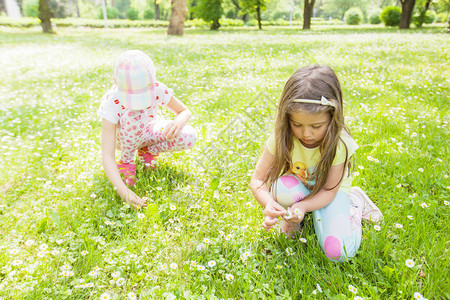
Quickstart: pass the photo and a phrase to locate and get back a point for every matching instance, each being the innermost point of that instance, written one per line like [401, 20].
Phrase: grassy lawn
[65, 234]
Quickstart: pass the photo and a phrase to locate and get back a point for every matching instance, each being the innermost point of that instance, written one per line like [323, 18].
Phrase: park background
[65, 234]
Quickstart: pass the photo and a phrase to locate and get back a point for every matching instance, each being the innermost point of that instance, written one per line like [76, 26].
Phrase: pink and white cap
[135, 79]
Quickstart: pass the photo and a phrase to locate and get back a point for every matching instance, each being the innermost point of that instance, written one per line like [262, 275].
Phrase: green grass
[57, 203]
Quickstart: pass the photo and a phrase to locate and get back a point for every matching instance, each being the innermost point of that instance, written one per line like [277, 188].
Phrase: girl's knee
[335, 249]
[288, 190]
[189, 136]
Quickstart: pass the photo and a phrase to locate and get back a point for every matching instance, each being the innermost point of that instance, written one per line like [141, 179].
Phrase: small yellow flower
[229, 277]
[410, 263]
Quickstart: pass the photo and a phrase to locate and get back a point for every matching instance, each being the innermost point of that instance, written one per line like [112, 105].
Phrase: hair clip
[323, 101]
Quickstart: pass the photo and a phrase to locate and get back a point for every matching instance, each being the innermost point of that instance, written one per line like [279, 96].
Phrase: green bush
[441, 17]
[111, 13]
[374, 18]
[149, 14]
[31, 8]
[132, 13]
[353, 16]
[391, 16]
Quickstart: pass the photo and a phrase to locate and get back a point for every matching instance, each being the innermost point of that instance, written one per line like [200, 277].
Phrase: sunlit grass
[66, 234]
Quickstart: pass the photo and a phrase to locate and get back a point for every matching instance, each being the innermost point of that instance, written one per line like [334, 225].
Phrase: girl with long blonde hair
[305, 166]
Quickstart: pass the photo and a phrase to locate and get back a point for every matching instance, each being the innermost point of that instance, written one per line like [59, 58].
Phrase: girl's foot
[147, 158]
[369, 210]
[128, 171]
[290, 229]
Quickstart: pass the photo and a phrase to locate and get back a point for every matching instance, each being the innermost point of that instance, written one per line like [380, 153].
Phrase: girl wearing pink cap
[129, 110]
[305, 166]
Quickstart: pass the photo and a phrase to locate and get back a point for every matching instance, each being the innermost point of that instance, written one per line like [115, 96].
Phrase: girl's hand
[296, 213]
[133, 199]
[269, 222]
[172, 130]
[272, 211]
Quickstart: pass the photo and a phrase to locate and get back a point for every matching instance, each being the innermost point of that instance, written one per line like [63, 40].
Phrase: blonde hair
[312, 82]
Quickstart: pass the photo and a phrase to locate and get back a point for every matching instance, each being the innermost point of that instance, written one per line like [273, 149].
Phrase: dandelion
[418, 296]
[54, 252]
[410, 263]
[131, 296]
[200, 268]
[140, 215]
[377, 227]
[66, 267]
[29, 243]
[17, 262]
[229, 277]
[67, 274]
[105, 296]
[173, 266]
[424, 205]
[420, 170]
[352, 289]
[84, 253]
[93, 274]
[115, 274]
[398, 225]
[289, 251]
[211, 263]
[120, 281]
[303, 240]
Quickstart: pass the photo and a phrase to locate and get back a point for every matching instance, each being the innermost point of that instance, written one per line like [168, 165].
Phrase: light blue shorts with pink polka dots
[338, 232]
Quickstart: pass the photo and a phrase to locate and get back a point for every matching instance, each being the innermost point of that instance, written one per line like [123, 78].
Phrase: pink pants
[136, 130]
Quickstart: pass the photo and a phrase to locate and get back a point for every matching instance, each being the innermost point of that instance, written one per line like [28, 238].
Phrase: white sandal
[370, 211]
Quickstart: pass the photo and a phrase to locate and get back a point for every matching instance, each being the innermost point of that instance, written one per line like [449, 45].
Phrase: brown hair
[310, 82]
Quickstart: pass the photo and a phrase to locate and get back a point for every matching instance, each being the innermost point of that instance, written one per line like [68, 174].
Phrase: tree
[157, 9]
[210, 11]
[45, 16]
[254, 6]
[407, 11]
[177, 17]
[307, 13]
[420, 19]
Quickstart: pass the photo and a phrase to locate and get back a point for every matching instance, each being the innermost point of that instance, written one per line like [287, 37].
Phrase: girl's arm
[183, 114]
[324, 196]
[110, 166]
[272, 210]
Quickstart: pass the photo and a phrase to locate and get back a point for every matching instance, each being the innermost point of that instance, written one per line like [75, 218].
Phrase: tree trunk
[45, 15]
[215, 25]
[258, 16]
[407, 10]
[76, 6]
[177, 17]
[307, 13]
[156, 10]
[421, 17]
